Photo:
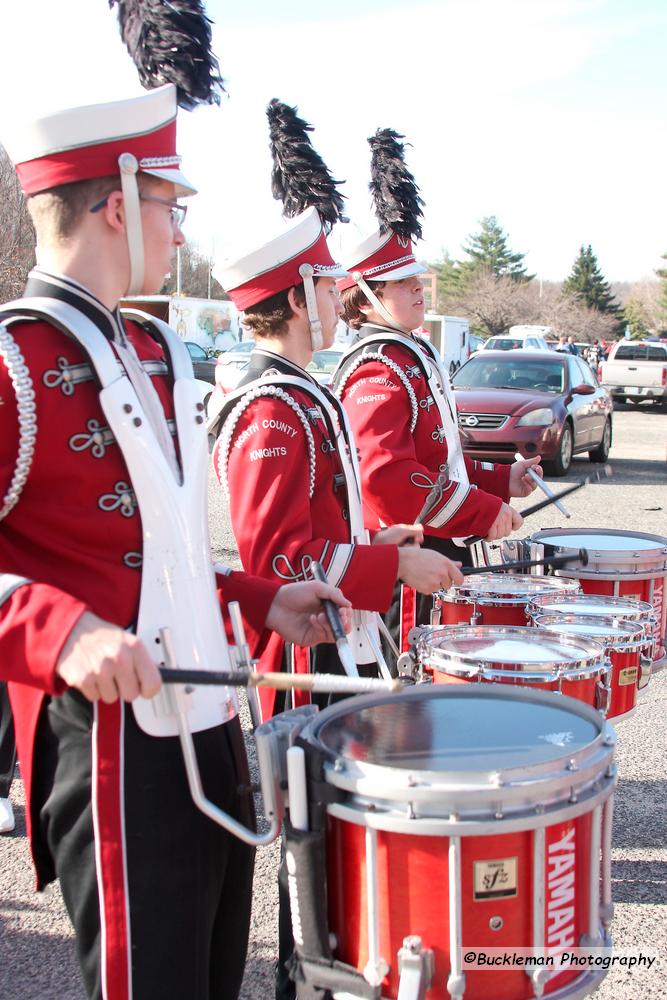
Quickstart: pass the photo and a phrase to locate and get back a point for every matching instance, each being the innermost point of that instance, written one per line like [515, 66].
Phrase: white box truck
[213, 324]
[451, 336]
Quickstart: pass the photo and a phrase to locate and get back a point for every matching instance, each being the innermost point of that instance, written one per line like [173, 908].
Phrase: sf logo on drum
[494, 879]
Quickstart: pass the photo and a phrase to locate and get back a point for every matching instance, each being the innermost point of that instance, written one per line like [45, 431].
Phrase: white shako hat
[81, 144]
[299, 254]
[171, 48]
[388, 253]
[383, 256]
[277, 265]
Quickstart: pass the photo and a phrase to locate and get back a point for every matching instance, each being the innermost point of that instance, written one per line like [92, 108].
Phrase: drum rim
[649, 560]
[560, 775]
[592, 651]
[629, 640]
[467, 594]
[544, 532]
[644, 609]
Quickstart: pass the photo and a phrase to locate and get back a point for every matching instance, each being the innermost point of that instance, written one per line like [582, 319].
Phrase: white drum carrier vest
[364, 638]
[178, 591]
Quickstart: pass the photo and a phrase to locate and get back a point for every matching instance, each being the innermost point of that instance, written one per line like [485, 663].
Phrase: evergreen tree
[634, 315]
[488, 250]
[450, 283]
[587, 283]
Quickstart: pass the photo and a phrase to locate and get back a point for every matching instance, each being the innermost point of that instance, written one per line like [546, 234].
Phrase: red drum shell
[580, 670]
[596, 605]
[384, 752]
[408, 870]
[496, 599]
[624, 642]
[620, 564]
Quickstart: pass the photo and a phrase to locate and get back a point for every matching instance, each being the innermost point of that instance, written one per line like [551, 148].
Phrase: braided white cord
[233, 418]
[25, 405]
[393, 366]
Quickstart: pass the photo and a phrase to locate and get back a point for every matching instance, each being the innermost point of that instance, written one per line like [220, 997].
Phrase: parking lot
[37, 959]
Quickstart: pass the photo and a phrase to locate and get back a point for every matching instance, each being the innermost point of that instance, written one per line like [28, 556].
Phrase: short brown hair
[353, 299]
[59, 210]
[269, 318]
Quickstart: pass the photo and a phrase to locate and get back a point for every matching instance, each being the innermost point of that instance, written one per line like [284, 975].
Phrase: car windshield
[510, 373]
[324, 361]
[244, 345]
[503, 344]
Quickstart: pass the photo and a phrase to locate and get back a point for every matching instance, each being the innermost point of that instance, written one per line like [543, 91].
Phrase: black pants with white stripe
[158, 894]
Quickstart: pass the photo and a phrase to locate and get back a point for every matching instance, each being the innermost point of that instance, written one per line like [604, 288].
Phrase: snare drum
[596, 606]
[454, 818]
[625, 645]
[549, 661]
[620, 564]
[495, 598]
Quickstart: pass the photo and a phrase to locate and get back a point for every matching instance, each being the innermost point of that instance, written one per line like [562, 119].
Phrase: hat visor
[332, 271]
[184, 187]
[400, 272]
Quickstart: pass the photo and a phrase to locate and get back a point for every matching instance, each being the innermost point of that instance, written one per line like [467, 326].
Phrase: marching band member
[398, 398]
[285, 456]
[99, 450]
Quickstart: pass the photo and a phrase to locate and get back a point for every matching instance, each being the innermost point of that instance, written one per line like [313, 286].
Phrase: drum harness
[178, 581]
[365, 638]
[371, 349]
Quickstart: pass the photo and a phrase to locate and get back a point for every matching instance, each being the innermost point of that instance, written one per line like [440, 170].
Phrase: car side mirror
[583, 390]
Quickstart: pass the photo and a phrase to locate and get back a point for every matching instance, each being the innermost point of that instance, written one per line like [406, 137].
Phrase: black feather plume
[395, 192]
[170, 42]
[300, 178]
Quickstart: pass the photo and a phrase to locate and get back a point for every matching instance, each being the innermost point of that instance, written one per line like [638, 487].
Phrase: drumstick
[553, 561]
[606, 472]
[345, 653]
[473, 539]
[539, 482]
[322, 683]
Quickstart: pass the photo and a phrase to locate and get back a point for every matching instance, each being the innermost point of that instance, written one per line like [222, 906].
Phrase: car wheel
[601, 453]
[561, 463]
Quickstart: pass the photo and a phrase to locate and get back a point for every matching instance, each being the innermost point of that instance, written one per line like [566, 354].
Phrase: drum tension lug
[415, 967]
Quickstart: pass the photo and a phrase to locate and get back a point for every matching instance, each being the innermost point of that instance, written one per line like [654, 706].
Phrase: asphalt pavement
[37, 948]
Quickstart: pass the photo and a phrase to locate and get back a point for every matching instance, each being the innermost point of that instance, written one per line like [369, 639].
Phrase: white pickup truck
[636, 370]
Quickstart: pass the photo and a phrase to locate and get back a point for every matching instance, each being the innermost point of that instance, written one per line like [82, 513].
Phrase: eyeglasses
[177, 212]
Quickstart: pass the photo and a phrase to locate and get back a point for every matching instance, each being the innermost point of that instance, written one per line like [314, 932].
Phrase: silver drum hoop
[437, 649]
[429, 802]
[640, 554]
[613, 634]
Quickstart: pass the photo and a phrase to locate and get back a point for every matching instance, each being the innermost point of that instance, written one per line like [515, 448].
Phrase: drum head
[518, 589]
[507, 647]
[447, 729]
[592, 605]
[608, 550]
[608, 631]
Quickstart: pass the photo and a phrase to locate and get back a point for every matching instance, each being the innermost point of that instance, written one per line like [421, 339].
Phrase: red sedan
[534, 403]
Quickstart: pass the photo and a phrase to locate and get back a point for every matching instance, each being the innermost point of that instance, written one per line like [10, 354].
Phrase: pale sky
[548, 114]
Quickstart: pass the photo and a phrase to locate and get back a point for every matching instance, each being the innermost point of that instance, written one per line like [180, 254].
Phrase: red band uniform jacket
[73, 541]
[288, 498]
[398, 428]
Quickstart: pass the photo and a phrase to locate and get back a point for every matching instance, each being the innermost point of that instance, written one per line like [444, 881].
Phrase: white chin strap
[135, 238]
[377, 303]
[307, 271]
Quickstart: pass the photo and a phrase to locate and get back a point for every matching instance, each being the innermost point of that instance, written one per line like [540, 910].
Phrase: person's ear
[298, 308]
[114, 211]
